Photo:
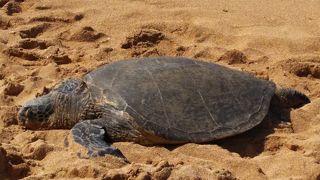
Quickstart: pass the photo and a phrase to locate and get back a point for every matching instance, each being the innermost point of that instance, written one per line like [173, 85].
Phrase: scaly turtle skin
[162, 100]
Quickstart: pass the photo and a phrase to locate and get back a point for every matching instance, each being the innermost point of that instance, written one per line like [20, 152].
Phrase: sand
[44, 41]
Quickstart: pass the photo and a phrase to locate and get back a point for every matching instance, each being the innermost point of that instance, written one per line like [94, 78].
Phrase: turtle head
[290, 98]
[58, 109]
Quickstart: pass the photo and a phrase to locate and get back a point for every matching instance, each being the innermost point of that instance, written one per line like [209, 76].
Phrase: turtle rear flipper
[92, 135]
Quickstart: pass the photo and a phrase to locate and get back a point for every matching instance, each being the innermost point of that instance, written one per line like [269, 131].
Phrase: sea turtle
[161, 100]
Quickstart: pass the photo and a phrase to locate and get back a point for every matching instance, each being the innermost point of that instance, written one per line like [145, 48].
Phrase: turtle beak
[23, 115]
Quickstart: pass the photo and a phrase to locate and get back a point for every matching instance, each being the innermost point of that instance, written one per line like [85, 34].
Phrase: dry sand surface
[44, 41]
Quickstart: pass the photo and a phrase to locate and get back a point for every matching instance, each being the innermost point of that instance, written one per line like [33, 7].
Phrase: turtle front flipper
[92, 135]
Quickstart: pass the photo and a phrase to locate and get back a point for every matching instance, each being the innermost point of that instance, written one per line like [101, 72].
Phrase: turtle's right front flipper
[92, 135]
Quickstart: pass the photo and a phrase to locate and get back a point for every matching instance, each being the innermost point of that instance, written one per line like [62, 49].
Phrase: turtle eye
[81, 87]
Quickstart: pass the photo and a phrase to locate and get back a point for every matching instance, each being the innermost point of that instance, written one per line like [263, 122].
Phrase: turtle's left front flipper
[94, 137]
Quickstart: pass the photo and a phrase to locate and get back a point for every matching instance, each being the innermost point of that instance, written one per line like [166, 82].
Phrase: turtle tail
[290, 98]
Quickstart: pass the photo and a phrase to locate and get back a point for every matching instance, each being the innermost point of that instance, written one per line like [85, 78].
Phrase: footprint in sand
[303, 66]
[86, 34]
[12, 7]
[144, 38]
[34, 30]
[19, 52]
[233, 57]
